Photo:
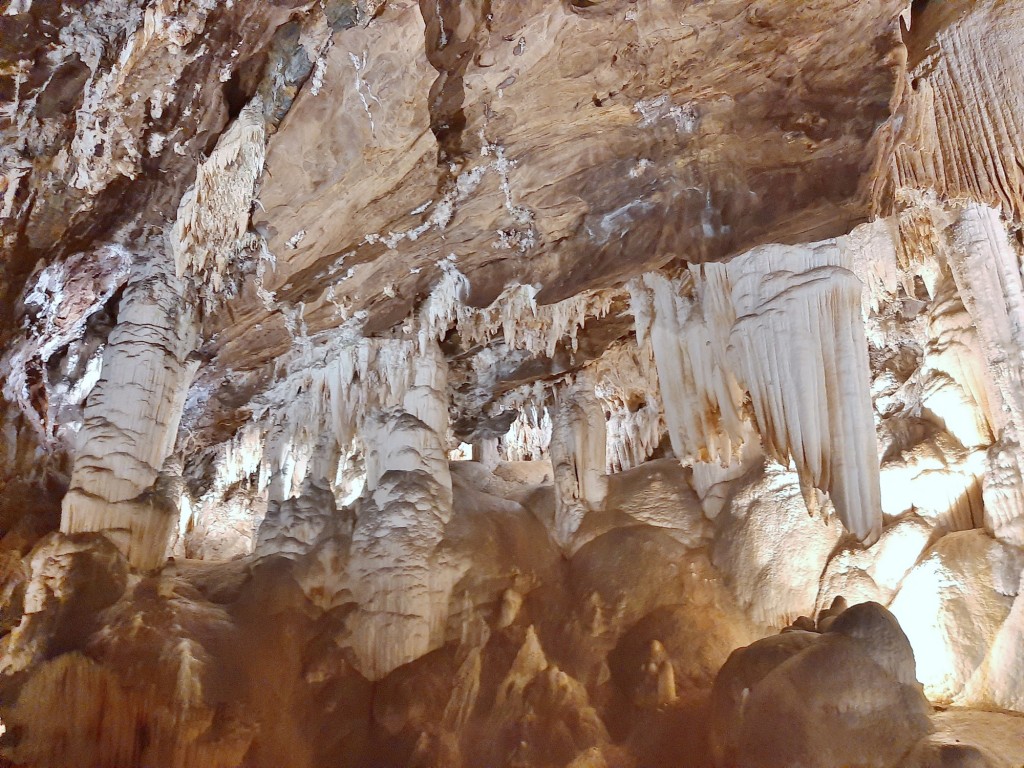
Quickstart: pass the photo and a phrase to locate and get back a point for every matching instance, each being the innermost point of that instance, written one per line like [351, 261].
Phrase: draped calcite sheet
[783, 326]
[434, 137]
[960, 127]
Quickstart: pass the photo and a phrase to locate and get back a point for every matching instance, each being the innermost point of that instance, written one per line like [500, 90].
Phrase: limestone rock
[767, 521]
[845, 697]
[952, 605]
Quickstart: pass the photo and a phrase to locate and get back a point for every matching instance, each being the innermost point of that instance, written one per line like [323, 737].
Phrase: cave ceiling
[567, 146]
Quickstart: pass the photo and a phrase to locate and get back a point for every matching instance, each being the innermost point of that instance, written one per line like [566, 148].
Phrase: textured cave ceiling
[559, 145]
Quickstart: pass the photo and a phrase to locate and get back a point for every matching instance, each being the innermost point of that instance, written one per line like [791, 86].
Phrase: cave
[511, 384]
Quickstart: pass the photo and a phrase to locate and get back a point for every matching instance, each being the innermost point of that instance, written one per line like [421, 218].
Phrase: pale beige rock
[756, 542]
[971, 738]
[937, 479]
[861, 575]
[952, 605]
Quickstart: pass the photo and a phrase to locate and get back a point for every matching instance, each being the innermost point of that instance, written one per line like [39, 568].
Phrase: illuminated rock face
[732, 334]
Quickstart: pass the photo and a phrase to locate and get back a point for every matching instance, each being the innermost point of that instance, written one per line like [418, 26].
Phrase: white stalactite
[63, 295]
[332, 388]
[987, 271]
[784, 325]
[799, 346]
[529, 436]
[955, 360]
[515, 315]
[699, 393]
[627, 386]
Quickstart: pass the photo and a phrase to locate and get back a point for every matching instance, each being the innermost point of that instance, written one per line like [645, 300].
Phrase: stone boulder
[847, 696]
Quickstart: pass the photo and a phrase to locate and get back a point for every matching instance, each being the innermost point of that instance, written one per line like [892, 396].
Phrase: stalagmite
[394, 574]
[486, 452]
[577, 457]
[292, 526]
[439, 383]
[132, 416]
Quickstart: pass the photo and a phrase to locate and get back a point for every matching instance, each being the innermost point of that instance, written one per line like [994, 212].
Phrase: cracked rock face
[458, 382]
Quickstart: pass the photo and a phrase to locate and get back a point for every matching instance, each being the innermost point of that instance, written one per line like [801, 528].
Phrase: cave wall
[723, 301]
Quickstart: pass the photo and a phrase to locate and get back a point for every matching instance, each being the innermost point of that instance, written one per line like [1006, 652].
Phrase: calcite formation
[454, 383]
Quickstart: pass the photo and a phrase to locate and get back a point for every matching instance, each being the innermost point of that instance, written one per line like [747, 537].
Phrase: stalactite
[330, 389]
[514, 315]
[627, 386]
[1003, 493]
[529, 436]
[954, 355]
[783, 324]
[960, 127]
[987, 271]
[63, 297]
[699, 392]
[213, 215]
[798, 345]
